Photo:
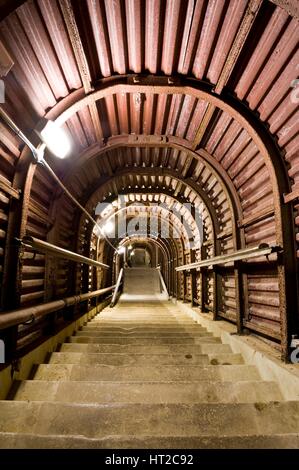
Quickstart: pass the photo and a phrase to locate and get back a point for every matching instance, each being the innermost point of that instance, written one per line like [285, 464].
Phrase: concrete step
[143, 329]
[225, 359]
[149, 420]
[133, 323]
[255, 441]
[142, 324]
[83, 373]
[149, 392]
[140, 309]
[128, 359]
[145, 334]
[144, 320]
[142, 341]
[144, 315]
[203, 348]
[142, 312]
[120, 358]
[148, 303]
[30, 441]
[143, 359]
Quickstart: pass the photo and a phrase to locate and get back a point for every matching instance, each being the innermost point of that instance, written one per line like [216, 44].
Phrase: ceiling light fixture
[56, 139]
[108, 227]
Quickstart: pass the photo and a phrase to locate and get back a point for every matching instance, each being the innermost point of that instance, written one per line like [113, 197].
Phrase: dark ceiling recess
[188, 101]
[8, 6]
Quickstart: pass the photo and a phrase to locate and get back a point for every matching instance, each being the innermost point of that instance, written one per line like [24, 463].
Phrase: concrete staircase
[142, 284]
[146, 376]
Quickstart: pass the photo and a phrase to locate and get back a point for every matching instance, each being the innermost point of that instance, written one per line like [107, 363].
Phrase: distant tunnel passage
[141, 281]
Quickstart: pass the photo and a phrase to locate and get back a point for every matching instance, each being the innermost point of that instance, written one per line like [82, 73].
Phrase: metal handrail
[262, 250]
[162, 281]
[18, 132]
[117, 286]
[23, 315]
[57, 251]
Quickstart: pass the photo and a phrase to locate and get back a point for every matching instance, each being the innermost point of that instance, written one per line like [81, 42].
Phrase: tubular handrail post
[162, 281]
[117, 286]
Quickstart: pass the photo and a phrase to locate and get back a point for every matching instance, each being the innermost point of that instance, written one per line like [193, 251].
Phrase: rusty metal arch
[184, 86]
[155, 241]
[280, 182]
[215, 229]
[169, 241]
[112, 197]
[162, 191]
[10, 5]
[150, 171]
[237, 110]
[160, 238]
[161, 141]
[162, 244]
[285, 233]
[180, 144]
[187, 86]
[170, 251]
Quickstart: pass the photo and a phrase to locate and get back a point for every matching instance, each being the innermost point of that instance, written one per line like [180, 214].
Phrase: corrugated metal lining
[173, 37]
[196, 35]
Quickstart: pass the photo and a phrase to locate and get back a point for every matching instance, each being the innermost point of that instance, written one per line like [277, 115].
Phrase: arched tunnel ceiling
[246, 49]
[171, 250]
[127, 175]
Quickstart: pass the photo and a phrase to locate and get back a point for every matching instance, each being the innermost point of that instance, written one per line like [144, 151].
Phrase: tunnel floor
[146, 375]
